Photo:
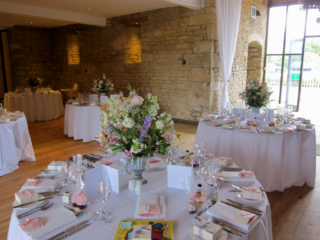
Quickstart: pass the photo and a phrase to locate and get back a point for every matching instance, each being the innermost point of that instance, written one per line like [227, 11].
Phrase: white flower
[152, 111]
[128, 122]
[137, 100]
[159, 124]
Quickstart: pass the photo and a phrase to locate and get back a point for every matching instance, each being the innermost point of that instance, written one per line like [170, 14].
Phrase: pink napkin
[153, 160]
[32, 182]
[106, 162]
[31, 224]
[246, 174]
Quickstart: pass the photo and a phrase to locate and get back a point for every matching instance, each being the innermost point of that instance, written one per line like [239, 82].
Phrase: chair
[71, 93]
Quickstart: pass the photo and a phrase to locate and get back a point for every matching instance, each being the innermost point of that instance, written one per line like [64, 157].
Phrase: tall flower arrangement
[134, 128]
[256, 95]
[102, 85]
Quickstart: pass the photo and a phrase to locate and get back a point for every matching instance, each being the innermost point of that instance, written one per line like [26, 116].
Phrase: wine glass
[203, 146]
[188, 184]
[104, 191]
[204, 171]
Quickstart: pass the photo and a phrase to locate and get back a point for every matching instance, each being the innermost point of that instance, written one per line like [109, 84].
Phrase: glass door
[285, 47]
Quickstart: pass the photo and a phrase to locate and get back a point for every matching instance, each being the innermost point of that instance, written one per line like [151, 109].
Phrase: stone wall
[31, 54]
[169, 55]
[255, 59]
[250, 30]
[174, 55]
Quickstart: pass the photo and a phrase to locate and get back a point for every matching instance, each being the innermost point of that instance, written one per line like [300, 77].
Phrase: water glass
[104, 191]
[106, 214]
[188, 184]
[94, 209]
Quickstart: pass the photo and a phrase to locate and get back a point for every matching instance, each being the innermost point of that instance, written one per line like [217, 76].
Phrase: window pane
[313, 28]
[290, 82]
[295, 29]
[277, 19]
[273, 77]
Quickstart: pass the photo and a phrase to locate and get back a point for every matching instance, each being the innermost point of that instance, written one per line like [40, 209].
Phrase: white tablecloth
[124, 205]
[82, 122]
[278, 160]
[15, 145]
[36, 107]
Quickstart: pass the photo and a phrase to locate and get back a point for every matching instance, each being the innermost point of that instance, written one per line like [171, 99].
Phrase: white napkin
[227, 213]
[235, 177]
[52, 220]
[45, 185]
[151, 200]
[155, 165]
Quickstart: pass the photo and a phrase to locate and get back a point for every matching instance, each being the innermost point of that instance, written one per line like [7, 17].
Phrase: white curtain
[228, 13]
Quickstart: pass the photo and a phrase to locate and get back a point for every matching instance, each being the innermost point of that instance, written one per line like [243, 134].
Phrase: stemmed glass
[104, 191]
[204, 171]
[188, 184]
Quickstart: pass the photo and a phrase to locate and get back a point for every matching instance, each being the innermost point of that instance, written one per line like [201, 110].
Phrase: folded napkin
[227, 213]
[151, 200]
[236, 177]
[41, 185]
[104, 161]
[155, 162]
[30, 225]
[268, 129]
[56, 165]
[284, 129]
[227, 126]
[52, 220]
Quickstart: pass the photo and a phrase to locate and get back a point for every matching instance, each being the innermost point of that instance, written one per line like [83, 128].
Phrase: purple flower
[149, 95]
[145, 128]
[157, 143]
[167, 137]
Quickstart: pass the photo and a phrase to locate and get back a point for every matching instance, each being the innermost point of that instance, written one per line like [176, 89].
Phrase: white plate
[224, 235]
[15, 203]
[239, 194]
[229, 166]
[50, 172]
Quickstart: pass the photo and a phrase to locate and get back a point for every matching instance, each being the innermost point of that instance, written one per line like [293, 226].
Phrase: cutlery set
[240, 206]
[69, 231]
[44, 207]
[32, 202]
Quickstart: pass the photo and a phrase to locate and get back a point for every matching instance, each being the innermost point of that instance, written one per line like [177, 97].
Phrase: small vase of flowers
[34, 82]
[102, 85]
[256, 95]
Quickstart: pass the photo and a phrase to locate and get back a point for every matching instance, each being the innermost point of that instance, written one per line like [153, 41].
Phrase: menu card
[102, 171]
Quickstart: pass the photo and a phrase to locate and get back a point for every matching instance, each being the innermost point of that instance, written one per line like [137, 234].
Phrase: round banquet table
[82, 122]
[124, 205]
[15, 145]
[278, 160]
[36, 107]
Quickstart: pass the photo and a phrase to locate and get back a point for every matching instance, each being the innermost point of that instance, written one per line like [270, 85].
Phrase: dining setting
[137, 190]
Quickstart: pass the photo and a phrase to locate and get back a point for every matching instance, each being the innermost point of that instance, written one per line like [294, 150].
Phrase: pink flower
[126, 129]
[157, 143]
[167, 137]
[254, 97]
[249, 93]
[128, 154]
[136, 100]
[100, 81]
[120, 126]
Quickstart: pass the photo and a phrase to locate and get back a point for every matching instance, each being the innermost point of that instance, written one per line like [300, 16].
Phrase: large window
[293, 49]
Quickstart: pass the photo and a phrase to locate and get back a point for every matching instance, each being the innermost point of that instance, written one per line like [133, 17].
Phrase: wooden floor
[295, 212]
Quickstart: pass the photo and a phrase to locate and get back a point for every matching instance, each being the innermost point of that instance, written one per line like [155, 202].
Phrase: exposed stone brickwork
[31, 54]
[178, 62]
[255, 59]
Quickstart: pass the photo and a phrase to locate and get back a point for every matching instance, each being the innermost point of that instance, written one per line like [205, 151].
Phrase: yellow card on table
[161, 230]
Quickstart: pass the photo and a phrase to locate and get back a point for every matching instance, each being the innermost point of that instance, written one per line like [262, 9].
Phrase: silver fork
[42, 208]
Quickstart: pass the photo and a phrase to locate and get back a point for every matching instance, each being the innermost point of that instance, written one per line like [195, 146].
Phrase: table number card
[103, 99]
[175, 173]
[102, 171]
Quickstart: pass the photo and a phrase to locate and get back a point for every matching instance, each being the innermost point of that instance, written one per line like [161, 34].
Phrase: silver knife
[73, 231]
[68, 230]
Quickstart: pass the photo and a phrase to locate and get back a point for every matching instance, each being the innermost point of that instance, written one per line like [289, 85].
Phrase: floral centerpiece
[256, 95]
[34, 81]
[102, 85]
[133, 127]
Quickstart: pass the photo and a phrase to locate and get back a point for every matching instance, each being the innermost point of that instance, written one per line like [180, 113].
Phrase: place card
[175, 173]
[102, 171]
[103, 99]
